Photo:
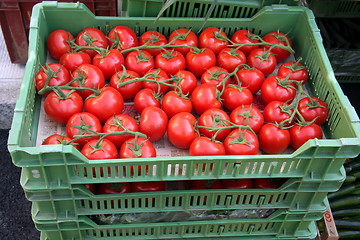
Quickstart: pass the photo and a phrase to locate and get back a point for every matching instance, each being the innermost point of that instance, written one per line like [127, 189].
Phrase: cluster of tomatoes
[96, 74]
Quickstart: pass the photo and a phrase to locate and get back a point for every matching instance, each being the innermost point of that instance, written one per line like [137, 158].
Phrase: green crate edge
[352, 144]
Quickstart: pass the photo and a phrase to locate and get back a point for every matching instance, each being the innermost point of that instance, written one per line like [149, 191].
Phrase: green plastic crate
[198, 8]
[279, 225]
[335, 9]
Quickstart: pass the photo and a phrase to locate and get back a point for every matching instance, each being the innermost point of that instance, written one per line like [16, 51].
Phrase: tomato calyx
[116, 43]
[61, 95]
[240, 139]
[180, 36]
[314, 103]
[265, 55]
[97, 146]
[169, 54]
[294, 67]
[141, 57]
[116, 186]
[117, 123]
[208, 183]
[232, 52]
[285, 83]
[136, 148]
[219, 36]
[246, 114]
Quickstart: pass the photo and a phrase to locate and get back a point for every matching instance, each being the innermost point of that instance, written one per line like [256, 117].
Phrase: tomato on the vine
[250, 78]
[235, 96]
[58, 74]
[214, 118]
[139, 61]
[158, 75]
[262, 59]
[262, 183]
[203, 146]
[89, 37]
[152, 38]
[301, 134]
[109, 62]
[230, 59]
[275, 112]
[123, 37]
[214, 39]
[206, 184]
[216, 76]
[281, 39]
[296, 70]
[58, 139]
[153, 123]
[248, 115]
[197, 61]
[73, 60]
[58, 43]
[171, 62]
[181, 130]
[184, 37]
[241, 142]
[276, 88]
[244, 36]
[174, 103]
[144, 98]
[204, 97]
[127, 91]
[114, 188]
[186, 81]
[316, 108]
[273, 139]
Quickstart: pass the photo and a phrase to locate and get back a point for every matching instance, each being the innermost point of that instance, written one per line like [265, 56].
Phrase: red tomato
[186, 81]
[153, 38]
[242, 142]
[139, 62]
[58, 74]
[250, 78]
[185, 37]
[148, 186]
[204, 97]
[123, 37]
[145, 98]
[114, 188]
[128, 91]
[172, 104]
[235, 96]
[91, 188]
[109, 62]
[230, 58]
[317, 108]
[181, 131]
[216, 76]
[58, 43]
[214, 39]
[98, 150]
[276, 88]
[243, 37]
[301, 134]
[170, 62]
[203, 146]
[106, 104]
[296, 70]
[244, 183]
[197, 61]
[206, 184]
[93, 36]
[214, 118]
[273, 112]
[248, 115]
[73, 60]
[60, 105]
[262, 183]
[153, 123]
[142, 148]
[160, 76]
[118, 123]
[57, 139]
[88, 76]
[263, 60]
[83, 124]
[281, 39]
[273, 140]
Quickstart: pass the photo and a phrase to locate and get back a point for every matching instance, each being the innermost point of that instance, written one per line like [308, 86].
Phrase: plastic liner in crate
[279, 225]
[335, 9]
[52, 166]
[198, 8]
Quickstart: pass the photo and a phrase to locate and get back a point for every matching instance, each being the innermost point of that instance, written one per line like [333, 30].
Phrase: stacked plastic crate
[53, 177]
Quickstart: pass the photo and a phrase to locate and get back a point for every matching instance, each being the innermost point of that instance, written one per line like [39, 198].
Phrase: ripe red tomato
[273, 113]
[160, 76]
[172, 104]
[301, 134]
[127, 91]
[185, 37]
[83, 124]
[153, 123]
[197, 61]
[73, 60]
[296, 70]
[170, 62]
[311, 110]
[91, 187]
[153, 38]
[145, 98]
[60, 105]
[148, 186]
[109, 62]
[248, 115]
[139, 62]
[262, 183]
[181, 131]
[186, 81]
[276, 88]
[242, 142]
[214, 118]
[89, 76]
[230, 58]
[216, 76]
[250, 78]
[58, 139]
[59, 76]
[235, 96]
[244, 36]
[118, 123]
[206, 184]
[114, 188]
[273, 140]
[57, 43]
[214, 39]
[204, 97]
[124, 37]
[106, 104]
[278, 38]
[93, 36]
[262, 59]
[244, 183]
[141, 148]
[203, 146]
